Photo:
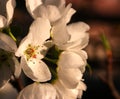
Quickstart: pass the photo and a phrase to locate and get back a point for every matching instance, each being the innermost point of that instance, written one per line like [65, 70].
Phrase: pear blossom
[6, 12]
[51, 9]
[9, 64]
[69, 39]
[32, 50]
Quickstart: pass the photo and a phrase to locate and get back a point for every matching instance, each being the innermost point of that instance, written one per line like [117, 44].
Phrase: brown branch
[110, 75]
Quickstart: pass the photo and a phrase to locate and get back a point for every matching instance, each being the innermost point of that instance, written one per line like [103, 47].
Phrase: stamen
[31, 52]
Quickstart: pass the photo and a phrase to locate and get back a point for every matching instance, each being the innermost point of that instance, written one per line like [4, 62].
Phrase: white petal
[8, 92]
[5, 73]
[70, 77]
[76, 43]
[63, 92]
[39, 31]
[32, 5]
[81, 87]
[69, 14]
[57, 3]
[59, 33]
[17, 67]
[80, 43]
[77, 30]
[78, 27]
[53, 13]
[36, 70]
[3, 7]
[50, 12]
[69, 59]
[7, 43]
[3, 21]
[38, 91]
[23, 45]
[10, 10]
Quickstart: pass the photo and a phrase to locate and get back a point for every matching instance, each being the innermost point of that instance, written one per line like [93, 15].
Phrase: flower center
[31, 52]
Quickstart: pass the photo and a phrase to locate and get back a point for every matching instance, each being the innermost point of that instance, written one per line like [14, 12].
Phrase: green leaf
[105, 42]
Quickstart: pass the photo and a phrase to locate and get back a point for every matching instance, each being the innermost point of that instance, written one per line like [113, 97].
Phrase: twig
[110, 75]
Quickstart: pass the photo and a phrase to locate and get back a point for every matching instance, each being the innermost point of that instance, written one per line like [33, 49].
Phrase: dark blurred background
[103, 16]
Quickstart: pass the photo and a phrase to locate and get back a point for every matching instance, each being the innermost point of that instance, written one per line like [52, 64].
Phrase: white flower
[51, 9]
[38, 91]
[9, 65]
[33, 48]
[6, 12]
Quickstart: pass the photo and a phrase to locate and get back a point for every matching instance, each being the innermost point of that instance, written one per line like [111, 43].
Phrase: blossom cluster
[52, 54]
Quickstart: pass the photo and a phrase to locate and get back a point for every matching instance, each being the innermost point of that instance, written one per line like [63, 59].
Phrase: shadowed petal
[17, 67]
[38, 91]
[31, 5]
[5, 74]
[3, 21]
[7, 43]
[57, 3]
[8, 92]
[50, 12]
[36, 70]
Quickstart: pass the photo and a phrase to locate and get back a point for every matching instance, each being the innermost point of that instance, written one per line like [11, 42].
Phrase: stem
[110, 76]
[50, 60]
[10, 33]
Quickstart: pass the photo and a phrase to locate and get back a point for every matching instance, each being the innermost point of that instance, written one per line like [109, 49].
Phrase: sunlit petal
[70, 77]
[10, 6]
[59, 33]
[65, 93]
[78, 29]
[81, 87]
[39, 31]
[23, 45]
[69, 59]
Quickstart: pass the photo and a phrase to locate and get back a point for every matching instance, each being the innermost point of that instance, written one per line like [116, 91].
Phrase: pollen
[31, 52]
